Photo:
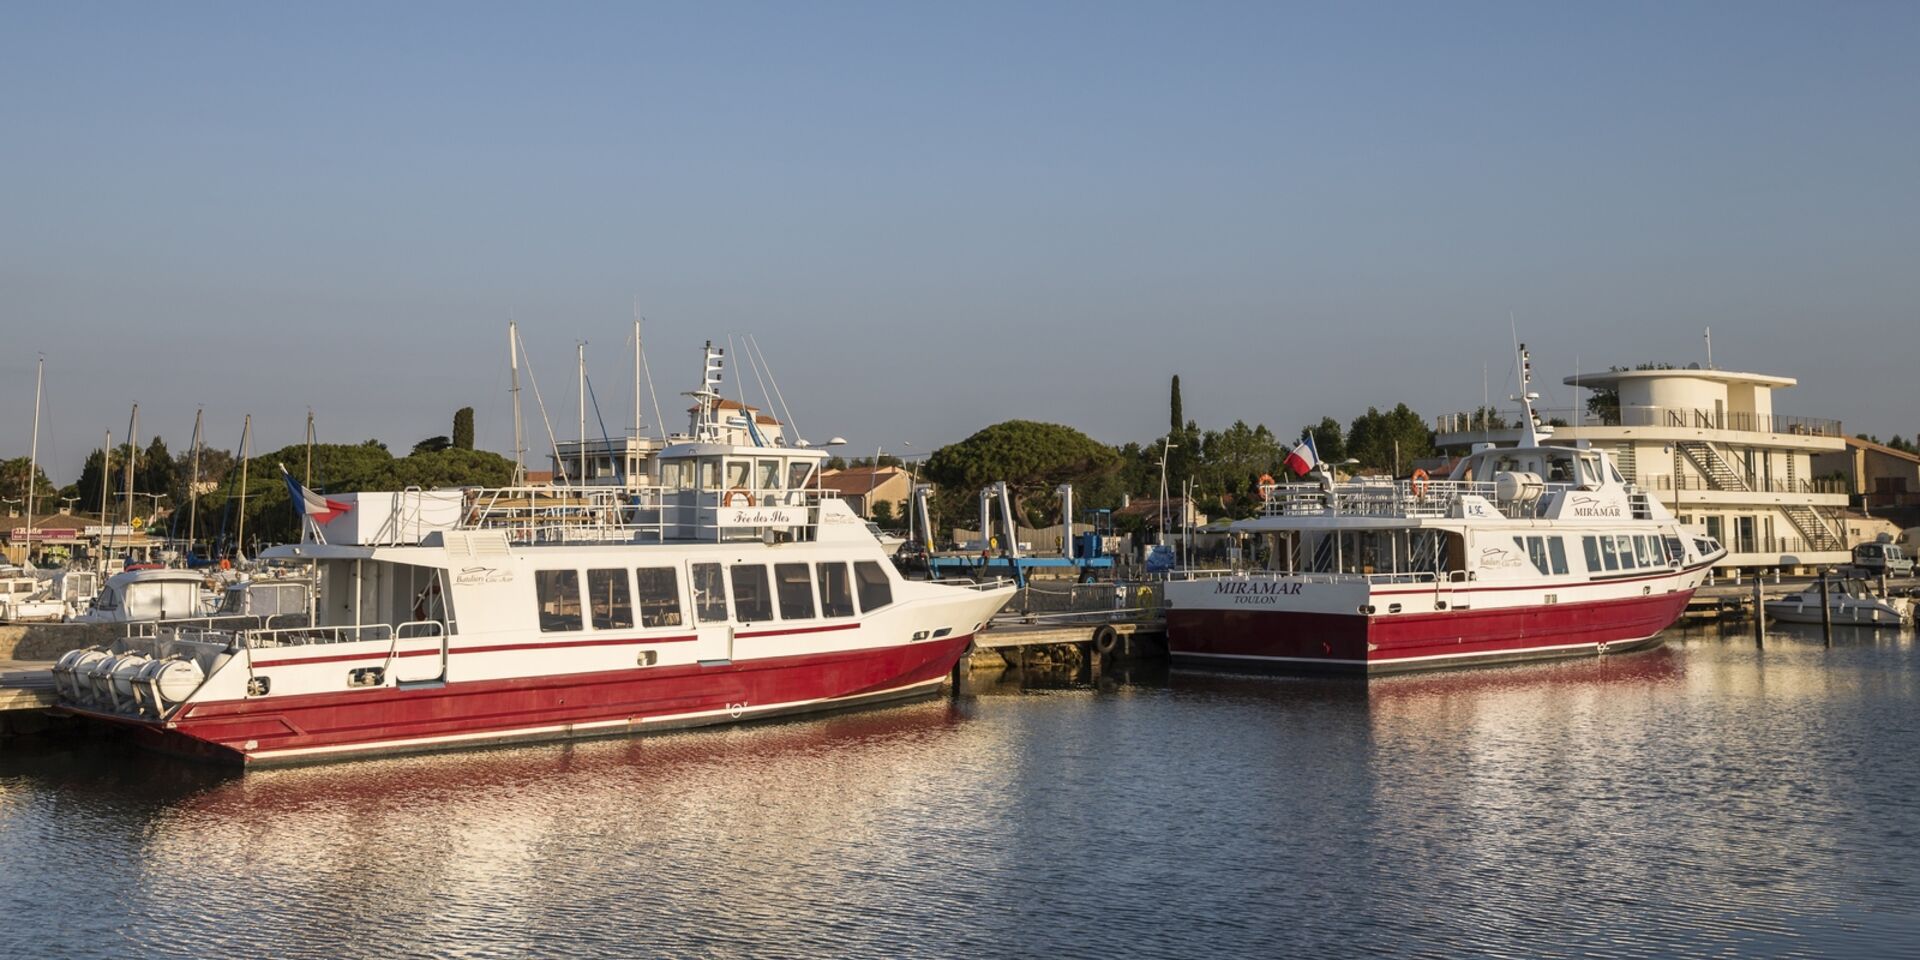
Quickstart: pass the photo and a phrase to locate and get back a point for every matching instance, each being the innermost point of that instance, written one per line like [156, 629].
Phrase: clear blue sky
[935, 217]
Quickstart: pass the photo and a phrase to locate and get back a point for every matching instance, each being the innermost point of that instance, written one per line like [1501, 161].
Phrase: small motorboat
[1851, 602]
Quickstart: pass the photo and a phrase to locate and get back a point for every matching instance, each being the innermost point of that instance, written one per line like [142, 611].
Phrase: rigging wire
[533, 381]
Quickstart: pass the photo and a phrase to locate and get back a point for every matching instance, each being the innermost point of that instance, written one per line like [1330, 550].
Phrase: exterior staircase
[1815, 527]
[1719, 473]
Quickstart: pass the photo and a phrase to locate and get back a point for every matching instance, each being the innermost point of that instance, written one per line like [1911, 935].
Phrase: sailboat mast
[193, 484]
[309, 477]
[133, 456]
[246, 459]
[581, 349]
[33, 458]
[106, 476]
[519, 427]
[636, 369]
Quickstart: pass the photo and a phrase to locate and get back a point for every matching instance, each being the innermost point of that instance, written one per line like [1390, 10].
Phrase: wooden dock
[26, 691]
[1015, 642]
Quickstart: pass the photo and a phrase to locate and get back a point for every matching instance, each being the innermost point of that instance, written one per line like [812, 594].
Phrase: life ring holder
[1419, 484]
[726, 500]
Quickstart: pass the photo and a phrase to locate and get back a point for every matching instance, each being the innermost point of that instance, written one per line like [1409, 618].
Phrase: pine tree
[463, 428]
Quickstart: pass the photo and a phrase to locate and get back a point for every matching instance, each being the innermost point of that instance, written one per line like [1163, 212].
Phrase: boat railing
[307, 636]
[1400, 499]
[1415, 577]
[1372, 498]
[592, 514]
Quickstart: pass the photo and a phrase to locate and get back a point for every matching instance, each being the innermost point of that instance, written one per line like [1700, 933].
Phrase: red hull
[387, 720]
[1291, 639]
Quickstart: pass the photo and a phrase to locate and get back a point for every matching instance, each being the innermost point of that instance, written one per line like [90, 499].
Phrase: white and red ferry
[733, 590]
[1531, 551]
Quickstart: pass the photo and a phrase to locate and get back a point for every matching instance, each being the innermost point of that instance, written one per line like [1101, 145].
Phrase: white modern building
[1709, 444]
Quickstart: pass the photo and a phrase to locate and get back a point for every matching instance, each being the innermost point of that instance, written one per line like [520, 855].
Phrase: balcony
[1735, 420]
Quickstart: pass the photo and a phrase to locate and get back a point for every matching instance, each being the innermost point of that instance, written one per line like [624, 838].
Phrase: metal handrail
[577, 514]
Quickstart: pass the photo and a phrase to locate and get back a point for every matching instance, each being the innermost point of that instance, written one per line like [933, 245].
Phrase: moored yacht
[734, 590]
[1530, 551]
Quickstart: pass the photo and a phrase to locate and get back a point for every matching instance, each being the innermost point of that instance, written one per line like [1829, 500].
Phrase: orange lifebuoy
[727, 501]
[1419, 482]
[1260, 487]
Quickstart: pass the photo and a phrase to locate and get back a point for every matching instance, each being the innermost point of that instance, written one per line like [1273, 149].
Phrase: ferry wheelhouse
[1538, 550]
[733, 590]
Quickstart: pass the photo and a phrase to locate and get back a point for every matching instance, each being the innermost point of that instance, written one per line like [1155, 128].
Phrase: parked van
[1873, 559]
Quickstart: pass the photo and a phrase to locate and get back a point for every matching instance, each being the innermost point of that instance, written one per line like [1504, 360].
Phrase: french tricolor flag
[1304, 457]
[310, 504]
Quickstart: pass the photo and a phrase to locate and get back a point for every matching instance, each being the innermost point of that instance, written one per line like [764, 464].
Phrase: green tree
[1185, 436]
[214, 467]
[883, 514]
[463, 428]
[95, 474]
[1031, 457]
[432, 445]
[156, 471]
[1231, 463]
[13, 484]
[1384, 441]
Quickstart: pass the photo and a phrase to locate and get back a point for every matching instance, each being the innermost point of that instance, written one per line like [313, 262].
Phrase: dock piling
[1759, 616]
[1826, 612]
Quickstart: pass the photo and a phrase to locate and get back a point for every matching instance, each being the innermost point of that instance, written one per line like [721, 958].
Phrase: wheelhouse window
[612, 603]
[1609, 557]
[798, 473]
[876, 590]
[709, 593]
[767, 474]
[795, 583]
[1625, 546]
[1676, 551]
[836, 593]
[659, 596]
[559, 592]
[1643, 550]
[1557, 549]
[739, 473]
[752, 598]
[1592, 549]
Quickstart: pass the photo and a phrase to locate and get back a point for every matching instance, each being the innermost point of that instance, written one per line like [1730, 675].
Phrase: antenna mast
[706, 426]
[1532, 431]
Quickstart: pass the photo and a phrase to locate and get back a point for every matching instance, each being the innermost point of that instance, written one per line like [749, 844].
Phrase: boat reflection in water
[1708, 797]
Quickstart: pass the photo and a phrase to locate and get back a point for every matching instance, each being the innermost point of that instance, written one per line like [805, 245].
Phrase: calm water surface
[1704, 799]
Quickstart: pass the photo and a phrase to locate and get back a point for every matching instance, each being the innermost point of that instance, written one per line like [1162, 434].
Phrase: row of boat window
[610, 601]
[1606, 553]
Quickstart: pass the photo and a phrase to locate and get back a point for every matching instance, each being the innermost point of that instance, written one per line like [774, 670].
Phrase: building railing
[1744, 421]
[1754, 484]
[1458, 424]
[1785, 546]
